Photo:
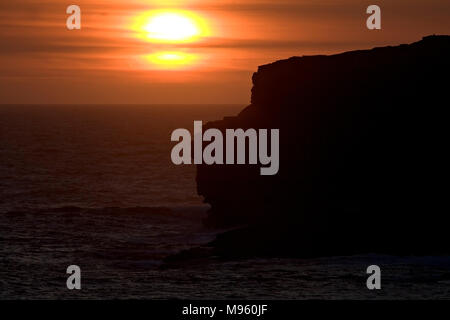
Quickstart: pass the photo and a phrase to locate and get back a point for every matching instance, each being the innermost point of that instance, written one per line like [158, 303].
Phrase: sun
[171, 26]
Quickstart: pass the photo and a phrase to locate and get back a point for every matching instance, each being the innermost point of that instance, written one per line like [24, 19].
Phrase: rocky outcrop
[363, 155]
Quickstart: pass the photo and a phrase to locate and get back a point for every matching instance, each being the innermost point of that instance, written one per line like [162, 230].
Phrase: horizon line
[120, 104]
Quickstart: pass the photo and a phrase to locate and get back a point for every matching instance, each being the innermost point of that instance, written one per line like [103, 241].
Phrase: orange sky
[107, 61]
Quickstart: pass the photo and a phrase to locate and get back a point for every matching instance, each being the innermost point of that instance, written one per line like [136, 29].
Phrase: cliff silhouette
[363, 156]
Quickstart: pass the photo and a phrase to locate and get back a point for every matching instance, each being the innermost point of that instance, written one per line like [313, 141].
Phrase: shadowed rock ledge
[363, 156]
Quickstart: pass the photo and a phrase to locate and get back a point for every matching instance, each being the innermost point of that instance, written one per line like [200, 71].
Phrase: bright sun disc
[170, 26]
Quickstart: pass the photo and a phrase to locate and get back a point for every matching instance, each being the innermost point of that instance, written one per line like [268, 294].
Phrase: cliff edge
[363, 156]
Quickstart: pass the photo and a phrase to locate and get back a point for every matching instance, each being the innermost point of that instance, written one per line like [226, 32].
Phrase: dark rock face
[363, 155]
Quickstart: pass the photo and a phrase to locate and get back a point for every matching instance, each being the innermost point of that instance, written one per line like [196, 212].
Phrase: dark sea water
[94, 186]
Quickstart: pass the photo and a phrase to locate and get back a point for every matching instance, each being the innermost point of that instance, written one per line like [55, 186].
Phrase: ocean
[94, 186]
